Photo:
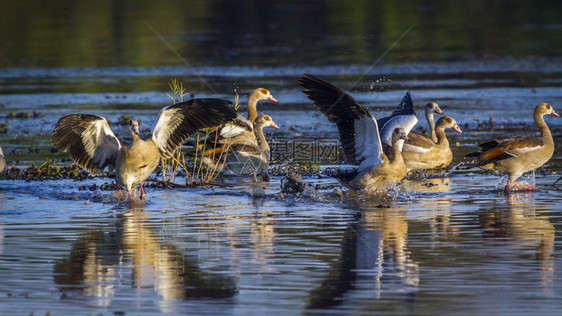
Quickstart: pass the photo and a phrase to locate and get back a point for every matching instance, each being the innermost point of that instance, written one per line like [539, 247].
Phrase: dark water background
[448, 245]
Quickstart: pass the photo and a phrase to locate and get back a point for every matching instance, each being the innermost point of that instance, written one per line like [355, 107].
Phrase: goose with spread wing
[403, 117]
[517, 155]
[359, 134]
[93, 146]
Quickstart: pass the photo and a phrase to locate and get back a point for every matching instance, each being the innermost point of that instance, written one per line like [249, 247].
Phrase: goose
[430, 109]
[517, 155]
[242, 127]
[420, 152]
[404, 117]
[93, 146]
[359, 134]
[2, 161]
[246, 156]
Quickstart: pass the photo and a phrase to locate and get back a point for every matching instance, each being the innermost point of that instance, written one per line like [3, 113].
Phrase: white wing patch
[412, 148]
[522, 150]
[231, 130]
[167, 122]
[99, 142]
[407, 122]
[368, 147]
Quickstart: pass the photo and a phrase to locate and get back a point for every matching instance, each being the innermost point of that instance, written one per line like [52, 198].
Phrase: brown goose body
[517, 155]
[93, 146]
[136, 163]
[422, 153]
[391, 170]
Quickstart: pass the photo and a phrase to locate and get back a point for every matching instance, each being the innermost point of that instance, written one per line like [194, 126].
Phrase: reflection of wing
[357, 127]
[404, 116]
[176, 122]
[88, 139]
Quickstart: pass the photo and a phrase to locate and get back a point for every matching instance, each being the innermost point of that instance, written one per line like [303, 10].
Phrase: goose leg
[526, 187]
[142, 191]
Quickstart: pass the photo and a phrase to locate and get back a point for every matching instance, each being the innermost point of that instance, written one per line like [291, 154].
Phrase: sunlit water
[453, 244]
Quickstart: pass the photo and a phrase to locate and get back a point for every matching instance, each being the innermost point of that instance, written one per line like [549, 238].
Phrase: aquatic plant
[196, 171]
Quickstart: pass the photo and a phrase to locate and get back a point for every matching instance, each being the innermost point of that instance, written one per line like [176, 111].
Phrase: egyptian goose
[404, 117]
[246, 156]
[517, 155]
[420, 152]
[359, 134]
[242, 127]
[92, 144]
[430, 109]
[2, 161]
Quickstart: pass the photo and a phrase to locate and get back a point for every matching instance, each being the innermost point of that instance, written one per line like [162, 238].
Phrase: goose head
[135, 127]
[264, 94]
[546, 109]
[433, 107]
[399, 134]
[448, 122]
[265, 120]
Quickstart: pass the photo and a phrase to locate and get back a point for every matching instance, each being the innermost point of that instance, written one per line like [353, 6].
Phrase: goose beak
[274, 126]
[555, 114]
[404, 137]
[272, 99]
[457, 129]
[438, 110]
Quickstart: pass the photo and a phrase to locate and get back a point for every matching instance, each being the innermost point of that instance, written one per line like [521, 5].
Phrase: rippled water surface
[450, 244]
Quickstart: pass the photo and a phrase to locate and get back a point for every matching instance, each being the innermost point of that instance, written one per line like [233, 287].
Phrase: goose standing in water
[247, 156]
[422, 153]
[517, 155]
[359, 134]
[241, 127]
[93, 146]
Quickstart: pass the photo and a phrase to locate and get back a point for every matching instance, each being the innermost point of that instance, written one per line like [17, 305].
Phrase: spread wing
[404, 116]
[418, 143]
[356, 126]
[178, 121]
[88, 139]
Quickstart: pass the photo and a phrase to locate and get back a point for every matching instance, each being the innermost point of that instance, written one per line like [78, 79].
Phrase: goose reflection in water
[527, 229]
[374, 257]
[96, 263]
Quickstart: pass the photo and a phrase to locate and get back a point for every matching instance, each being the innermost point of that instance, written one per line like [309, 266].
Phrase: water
[453, 244]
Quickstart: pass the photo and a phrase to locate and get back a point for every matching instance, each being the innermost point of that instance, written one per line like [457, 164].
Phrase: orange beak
[272, 99]
[555, 114]
[274, 126]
